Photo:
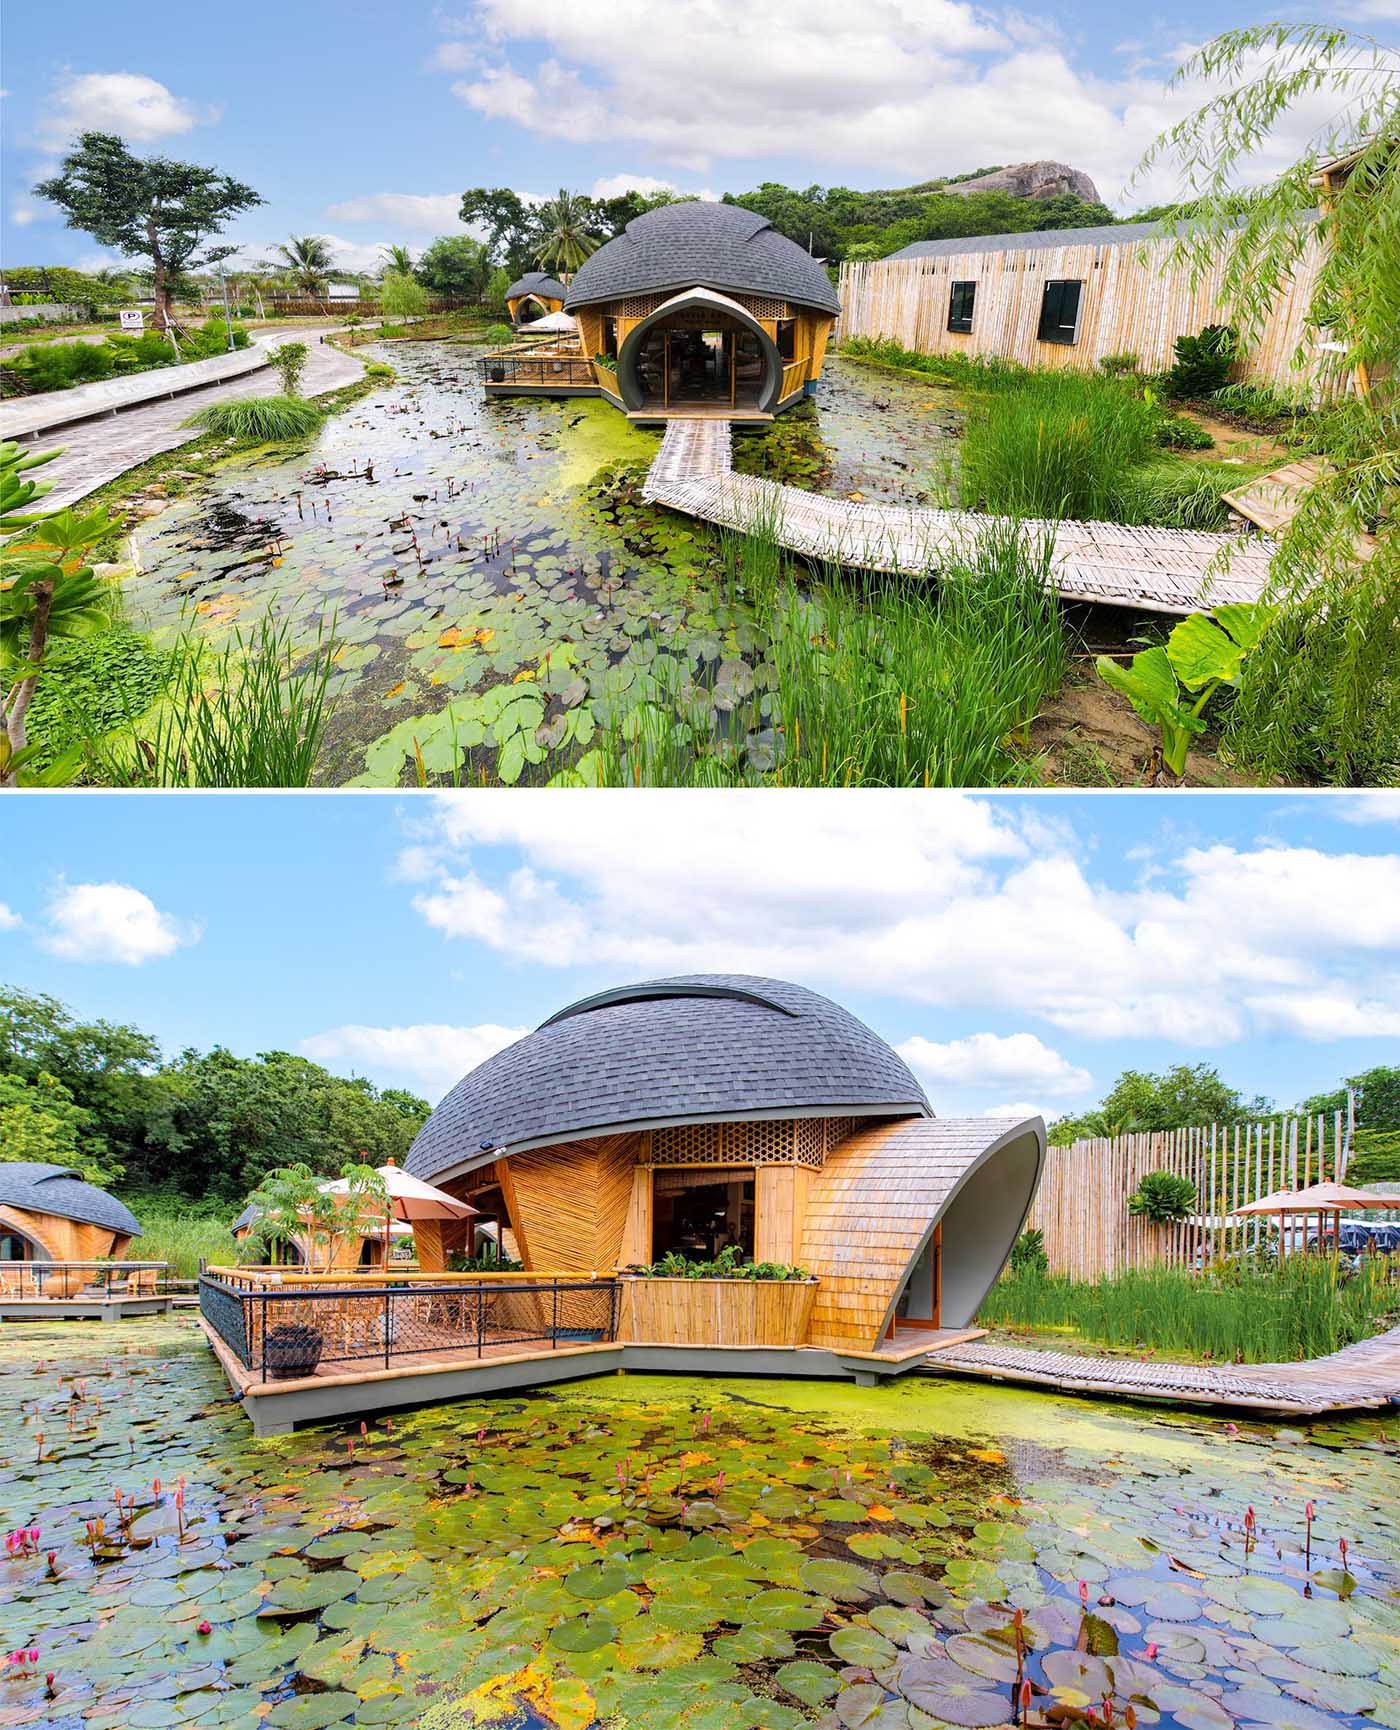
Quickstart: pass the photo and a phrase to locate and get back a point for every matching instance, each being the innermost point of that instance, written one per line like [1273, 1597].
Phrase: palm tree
[566, 241]
[308, 260]
[397, 258]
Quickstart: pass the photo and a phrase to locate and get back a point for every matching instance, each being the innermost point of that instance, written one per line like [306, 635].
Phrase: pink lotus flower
[205, 1628]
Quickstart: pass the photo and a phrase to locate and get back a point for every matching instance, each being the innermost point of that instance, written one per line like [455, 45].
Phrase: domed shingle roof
[538, 282]
[57, 1190]
[701, 244]
[702, 1048]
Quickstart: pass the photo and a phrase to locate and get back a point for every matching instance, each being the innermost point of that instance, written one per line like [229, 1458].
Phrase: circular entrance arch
[688, 312]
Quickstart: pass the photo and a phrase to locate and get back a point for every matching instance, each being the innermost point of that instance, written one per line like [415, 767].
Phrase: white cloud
[351, 256]
[614, 185]
[1019, 1108]
[873, 85]
[995, 1060]
[9, 919]
[433, 1056]
[112, 922]
[429, 212]
[961, 903]
[1369, 807]
[24, 213]
[139, 108]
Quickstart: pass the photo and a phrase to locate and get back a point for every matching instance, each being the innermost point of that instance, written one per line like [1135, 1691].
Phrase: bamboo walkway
[1363, 1376]
[1155, 570]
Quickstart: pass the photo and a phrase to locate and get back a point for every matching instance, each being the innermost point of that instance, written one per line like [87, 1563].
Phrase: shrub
[1177, 432]
[1176, 495]
[378, 369]
[1163, 1198]
[1203, 362]
[486, 1260]
[1120, 365]
[496, 334]
[728, 1264]
[260, 419]
[214, 333]
[290, 360]
[1028, 1253]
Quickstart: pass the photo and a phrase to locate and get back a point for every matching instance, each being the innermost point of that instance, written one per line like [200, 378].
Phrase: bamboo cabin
[533, 296]
[715, 1112]
[49, 1213]
[696, 309]
[1071, 297]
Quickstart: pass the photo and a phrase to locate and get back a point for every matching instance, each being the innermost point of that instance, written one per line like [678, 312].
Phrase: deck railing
[536, 366]
[63, 1280]
[323, 1326]
[794, 377]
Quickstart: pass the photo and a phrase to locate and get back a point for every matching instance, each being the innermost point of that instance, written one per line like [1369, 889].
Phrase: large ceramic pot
[293, 1349]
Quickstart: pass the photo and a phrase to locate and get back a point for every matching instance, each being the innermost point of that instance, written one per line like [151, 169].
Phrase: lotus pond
[499, 589]
[651, 1552]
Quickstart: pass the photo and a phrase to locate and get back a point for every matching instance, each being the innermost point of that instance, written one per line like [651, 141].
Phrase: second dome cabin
[533, 296]
[696, 310]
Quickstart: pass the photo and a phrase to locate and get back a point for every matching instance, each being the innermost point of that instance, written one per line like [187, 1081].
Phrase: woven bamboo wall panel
[1134, 300]
[570, 1202]
[688, 1144]
[1082, 1206]
[714, 1312]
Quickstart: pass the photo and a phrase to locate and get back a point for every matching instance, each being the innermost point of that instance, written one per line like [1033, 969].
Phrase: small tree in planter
[290, 360]
[297, 1207]
[1163, 1198]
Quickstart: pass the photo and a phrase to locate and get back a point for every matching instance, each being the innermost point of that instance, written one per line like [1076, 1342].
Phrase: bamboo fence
[1082, 1204]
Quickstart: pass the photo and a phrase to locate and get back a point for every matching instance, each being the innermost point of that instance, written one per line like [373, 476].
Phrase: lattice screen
[771, 1141]
[639, 306]
[762, 307]
[766, 1143]
[838, 1128]
[688, 1144]
[810, 1138]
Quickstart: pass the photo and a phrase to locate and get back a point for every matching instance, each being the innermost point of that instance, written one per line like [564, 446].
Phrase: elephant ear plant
[1171, 685]
[47, 590]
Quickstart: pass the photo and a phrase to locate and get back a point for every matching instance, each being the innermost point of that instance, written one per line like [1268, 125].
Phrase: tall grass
[252, 714]
[260, 419]
[900, 682]
[180, 1232]
[1299, 1309]
[1055, 444]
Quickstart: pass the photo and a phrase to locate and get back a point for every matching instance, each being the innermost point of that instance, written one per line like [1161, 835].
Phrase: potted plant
[293, 1349]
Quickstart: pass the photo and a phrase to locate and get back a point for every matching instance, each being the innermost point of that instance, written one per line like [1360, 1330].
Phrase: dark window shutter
[961, 299]
[1059, 312]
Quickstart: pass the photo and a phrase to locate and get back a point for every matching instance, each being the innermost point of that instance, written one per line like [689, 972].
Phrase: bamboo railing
[1082, 1204]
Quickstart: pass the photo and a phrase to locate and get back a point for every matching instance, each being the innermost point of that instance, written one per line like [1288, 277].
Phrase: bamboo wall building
[694, 1114]
[49, 1213]
[1070, 297]
[696, 309]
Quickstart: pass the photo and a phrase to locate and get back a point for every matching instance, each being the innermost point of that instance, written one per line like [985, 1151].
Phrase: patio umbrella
[1319, 1198]
[410, 1199]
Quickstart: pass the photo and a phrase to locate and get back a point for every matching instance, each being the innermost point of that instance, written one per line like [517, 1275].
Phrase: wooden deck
[1365, 1376]
[1155, 570]
[1272, 501]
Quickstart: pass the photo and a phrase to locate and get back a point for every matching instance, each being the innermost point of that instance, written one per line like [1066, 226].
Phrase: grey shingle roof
[57, 1190]
[538, 282]
[705, 1046]
[1119, 234]
[701, 245]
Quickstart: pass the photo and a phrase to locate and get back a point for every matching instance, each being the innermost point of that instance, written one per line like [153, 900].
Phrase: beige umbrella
[410, 1199]
[1319, 1198]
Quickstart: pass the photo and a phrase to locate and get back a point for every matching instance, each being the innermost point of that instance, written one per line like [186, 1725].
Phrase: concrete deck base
[277, 1408]
[82, 1309]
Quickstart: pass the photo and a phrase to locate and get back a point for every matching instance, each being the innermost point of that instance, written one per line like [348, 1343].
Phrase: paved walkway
[1366, 1375]
[1156, 570]
[97, 451]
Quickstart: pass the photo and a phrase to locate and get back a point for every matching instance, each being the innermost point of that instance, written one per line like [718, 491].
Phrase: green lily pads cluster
[678, 1555]
[500, 591]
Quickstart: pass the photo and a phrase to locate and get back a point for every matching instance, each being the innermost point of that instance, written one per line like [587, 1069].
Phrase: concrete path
[97, 451]
[1155, 570]
[1363, 1376]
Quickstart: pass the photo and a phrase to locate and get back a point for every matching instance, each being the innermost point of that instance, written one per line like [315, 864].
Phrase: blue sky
[365, 122]
[1021, 950]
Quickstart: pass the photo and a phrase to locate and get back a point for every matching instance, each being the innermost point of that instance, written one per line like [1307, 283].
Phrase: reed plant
[260, 419]
[252, 714]
[1055, 444]
[174, 1229]
[1302, 1307]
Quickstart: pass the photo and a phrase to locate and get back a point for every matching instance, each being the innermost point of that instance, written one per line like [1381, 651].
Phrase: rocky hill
[1031, 180]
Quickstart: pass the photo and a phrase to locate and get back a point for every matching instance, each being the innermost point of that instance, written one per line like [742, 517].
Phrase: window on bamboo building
[698, 1213]
[1059, 312]
[610, 338]
[787, 338]
[961, 299]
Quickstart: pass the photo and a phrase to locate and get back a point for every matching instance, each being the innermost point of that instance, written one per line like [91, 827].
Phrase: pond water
[666, 1553]
[498, 587]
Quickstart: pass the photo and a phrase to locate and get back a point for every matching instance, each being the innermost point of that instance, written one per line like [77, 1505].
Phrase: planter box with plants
[719, 1303]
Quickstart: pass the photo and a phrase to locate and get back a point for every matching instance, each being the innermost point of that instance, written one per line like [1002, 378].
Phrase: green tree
[512, 226]
[1378, 1104]
[565, 239]
[455, 266]
[396, 258]
[1322, 697]
[307, 260]
[401, 297]
[494, 298]
[39, 1121]
[147, 207]
[1182, 1097]
[295, 1205]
